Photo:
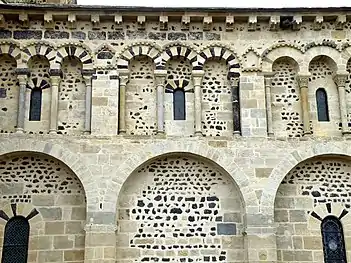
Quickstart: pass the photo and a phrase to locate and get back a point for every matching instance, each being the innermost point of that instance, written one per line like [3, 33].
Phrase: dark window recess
[2, 93]
[15, 248]
[35, 104]
[322, 105]
[333, 240]
[179, 104]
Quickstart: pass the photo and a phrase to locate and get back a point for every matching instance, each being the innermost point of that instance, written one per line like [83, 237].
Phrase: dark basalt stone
[195, 36]
[212, 36]
[226, 229]
[115, 35]
[52, 34]
[5, 34]
[92, 35]
[27, 34]
[78, 35]
[176, 36]
[157, 36]
[136, 34]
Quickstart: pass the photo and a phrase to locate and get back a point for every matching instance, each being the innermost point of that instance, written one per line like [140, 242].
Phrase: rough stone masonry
[174, 135]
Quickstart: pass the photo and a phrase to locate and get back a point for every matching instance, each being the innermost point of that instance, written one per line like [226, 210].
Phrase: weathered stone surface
[78, 35]
[54, 34]
[5, 34]
[226, 229]
[176, 36]
[115, 35]
[27, 34]
[99, 35]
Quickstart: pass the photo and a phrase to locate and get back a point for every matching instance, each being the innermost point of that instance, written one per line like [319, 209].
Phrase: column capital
[123, 76]
[267, 80]
[197, 76]
[55, 80]
[23, 79]
[234, 82]
[340, 79]
[160, 76]
[303, 80]
[87, 79]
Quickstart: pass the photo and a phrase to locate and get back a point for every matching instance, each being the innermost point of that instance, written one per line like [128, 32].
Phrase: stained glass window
[333, 240]
[35, 104]
[322, 105]
[179, 104]
[15, 248]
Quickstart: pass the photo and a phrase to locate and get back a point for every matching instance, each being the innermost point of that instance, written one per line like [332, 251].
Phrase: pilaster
[197, 80]
[123, 81]
[160, 76]
[22, 76]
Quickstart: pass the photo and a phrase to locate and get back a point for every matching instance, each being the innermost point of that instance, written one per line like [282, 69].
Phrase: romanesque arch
[312, 198]
[12, 49]
[47, 200]
[313, 51]
[177, 203]
[79, 51]
[41, 48]
[176, 50]
[138, 49]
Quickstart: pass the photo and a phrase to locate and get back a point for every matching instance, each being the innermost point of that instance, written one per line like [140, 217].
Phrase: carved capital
[87, 79]
[197, 77]
[234, 82]
[268, 81]
[123, 77]
[160, 76]
[303, 80]
[340, 80]
[55, 80]
[22, 79]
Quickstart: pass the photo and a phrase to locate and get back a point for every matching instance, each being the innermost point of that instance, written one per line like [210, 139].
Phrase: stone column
[303, 83]
[268, 84]
[22, 75]
[234, 86]
[55, 79]
[88, 101]
[123, 80]
[197, 79]
[340, 80]
[160, 76]
[100, 243]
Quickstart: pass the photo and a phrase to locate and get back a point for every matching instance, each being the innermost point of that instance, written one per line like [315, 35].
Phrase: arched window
[16, 239]
[333, 240]
[35, 104]
[179, 104]
[322, 105]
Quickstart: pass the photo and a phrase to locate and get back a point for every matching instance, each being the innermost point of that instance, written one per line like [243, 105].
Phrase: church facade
[174, 135]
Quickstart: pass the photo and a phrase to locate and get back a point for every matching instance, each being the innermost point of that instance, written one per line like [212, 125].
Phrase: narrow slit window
[322, 105]
[333, 240]
[35, 104]
[16, 237]
[179, 104]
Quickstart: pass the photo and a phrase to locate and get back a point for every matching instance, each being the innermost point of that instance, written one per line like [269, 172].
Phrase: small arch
[333, 240]
[221, 52]
[16, 238]
[39, 49]
[77, 51]
[325, 52]
[12, 49]
[137, 49]
[322, 105]
[179, 104]
[35, 104]
[177, 50]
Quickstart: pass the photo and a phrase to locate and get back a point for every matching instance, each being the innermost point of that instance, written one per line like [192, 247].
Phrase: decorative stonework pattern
[179, 210]
[38, 182]
[39, 77]
[286, 108]
[322, 70]
[141, 98]
[178, 73]
[71, 98]
[8, 94]
[217, 109]
[313, 189]
[325, 181]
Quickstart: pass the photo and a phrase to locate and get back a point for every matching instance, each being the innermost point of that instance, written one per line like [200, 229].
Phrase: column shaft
[236, 106]
[55, 81]
[303, 82]
[268, 83]
[160, 76]
[197, 79]
[123, 80]
[340, 80]
[21, 103]
[88, 101]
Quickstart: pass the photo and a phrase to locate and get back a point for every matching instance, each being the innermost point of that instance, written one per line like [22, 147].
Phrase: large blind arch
[333, 240]
[16, 238]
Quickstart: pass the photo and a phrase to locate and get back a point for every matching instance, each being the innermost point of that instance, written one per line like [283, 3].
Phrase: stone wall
[45, 191]
[241, 179]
